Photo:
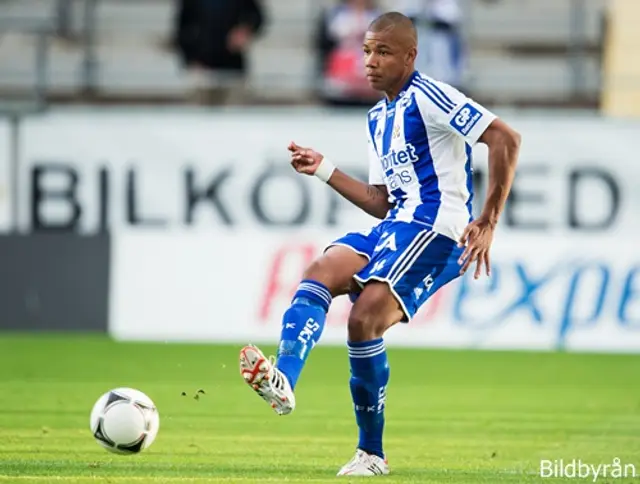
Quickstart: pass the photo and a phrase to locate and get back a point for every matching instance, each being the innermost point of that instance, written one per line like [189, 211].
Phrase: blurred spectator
[212, 37]
[339, 39]
[64, 18]
[440, 41]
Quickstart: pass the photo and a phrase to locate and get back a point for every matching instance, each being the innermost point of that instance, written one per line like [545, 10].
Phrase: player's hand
[476, 239]
[304, 160]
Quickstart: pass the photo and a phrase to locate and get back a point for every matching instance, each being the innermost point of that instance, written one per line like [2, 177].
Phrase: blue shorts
[414, 261]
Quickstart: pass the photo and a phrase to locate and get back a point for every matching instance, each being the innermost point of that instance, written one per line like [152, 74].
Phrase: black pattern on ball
[101, 436]
[113, 398]
[135, 447]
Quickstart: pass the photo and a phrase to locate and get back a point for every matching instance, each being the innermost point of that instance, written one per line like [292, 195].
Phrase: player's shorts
[413, 260]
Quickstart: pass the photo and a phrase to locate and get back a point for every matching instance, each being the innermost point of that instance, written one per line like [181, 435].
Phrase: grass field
[452, 416]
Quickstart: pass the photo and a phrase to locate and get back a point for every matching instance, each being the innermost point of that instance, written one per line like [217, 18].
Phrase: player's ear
[412, 53]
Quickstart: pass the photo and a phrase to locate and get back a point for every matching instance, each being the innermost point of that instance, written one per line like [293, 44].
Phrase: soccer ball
[124, 421]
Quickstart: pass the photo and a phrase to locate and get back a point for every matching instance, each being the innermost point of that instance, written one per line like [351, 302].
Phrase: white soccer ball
[125, 421]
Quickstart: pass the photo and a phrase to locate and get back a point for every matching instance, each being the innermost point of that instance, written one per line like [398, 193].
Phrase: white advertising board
[95, 170]
[572, 293]
[212, 228]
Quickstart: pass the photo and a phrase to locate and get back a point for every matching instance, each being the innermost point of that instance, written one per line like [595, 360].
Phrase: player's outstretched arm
[373, 199]
[504, 146]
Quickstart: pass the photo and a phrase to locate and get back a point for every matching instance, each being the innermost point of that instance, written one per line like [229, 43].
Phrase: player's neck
[393, 93]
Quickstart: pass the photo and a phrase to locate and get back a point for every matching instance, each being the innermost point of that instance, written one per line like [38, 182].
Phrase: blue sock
[302, 326]
[369, 378]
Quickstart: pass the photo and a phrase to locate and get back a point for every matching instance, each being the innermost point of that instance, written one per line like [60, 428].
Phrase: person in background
[212, 38]
[64, 17]
[441, 47]
[339, 46]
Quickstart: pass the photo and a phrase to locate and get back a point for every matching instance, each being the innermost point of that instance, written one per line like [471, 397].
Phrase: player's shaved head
[398, 25]
[390, 49]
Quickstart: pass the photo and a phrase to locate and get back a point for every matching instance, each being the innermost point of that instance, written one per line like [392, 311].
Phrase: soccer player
[420, 137]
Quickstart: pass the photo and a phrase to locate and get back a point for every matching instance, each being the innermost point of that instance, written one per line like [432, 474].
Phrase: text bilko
[64, 197]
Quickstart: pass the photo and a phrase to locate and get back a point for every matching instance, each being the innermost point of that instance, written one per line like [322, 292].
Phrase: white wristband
[325, 170]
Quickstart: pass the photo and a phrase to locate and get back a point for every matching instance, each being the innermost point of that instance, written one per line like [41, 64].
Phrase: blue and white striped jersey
[420, 148]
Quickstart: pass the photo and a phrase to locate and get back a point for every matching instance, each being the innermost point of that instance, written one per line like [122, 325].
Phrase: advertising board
[90, 171]
[545, 293]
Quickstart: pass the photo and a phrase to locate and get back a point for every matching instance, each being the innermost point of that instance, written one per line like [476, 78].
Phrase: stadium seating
[520, 52]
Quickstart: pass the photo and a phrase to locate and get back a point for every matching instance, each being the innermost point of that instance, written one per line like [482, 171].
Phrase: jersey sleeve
[449, 109]
[376, 176]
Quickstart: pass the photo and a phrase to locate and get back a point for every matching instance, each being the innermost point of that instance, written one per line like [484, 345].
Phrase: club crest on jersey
[396, 131]
[405, 100]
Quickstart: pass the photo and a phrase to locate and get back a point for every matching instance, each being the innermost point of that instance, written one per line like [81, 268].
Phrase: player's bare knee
[367, 321]
[335, 269]
[320, 271]
[375, 311]
[363, 325]
[316, 271]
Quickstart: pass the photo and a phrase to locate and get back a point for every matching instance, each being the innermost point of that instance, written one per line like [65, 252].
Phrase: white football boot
[266, 380]
[365, 465]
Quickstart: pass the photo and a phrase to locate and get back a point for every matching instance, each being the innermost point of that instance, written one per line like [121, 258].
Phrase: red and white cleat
[266, 380]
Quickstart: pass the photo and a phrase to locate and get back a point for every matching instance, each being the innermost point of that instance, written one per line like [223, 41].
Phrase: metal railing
[41, 30]
[15, 109]
[91, 67]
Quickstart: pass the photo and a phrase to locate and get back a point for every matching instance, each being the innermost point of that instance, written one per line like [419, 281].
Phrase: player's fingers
[467, 251]
[300, 164]
[468, 261]
[463, 238]
[294, 148]
[468, 236]
[308, 153]
[465, 255]
[300, 158]
[302, 155]
[487, 263]
[305, 162]
[465, 266]
[479, 264]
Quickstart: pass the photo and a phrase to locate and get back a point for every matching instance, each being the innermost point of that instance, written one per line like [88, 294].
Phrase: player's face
[386, 59]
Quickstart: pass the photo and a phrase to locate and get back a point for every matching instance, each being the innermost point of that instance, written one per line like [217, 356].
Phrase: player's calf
[302, 327]
[303, 322]
[373, 313]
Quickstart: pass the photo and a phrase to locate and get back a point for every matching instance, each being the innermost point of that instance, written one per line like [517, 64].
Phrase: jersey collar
[403, 91]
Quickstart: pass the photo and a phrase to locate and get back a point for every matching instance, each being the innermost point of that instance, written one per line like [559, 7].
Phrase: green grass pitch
[452, 416]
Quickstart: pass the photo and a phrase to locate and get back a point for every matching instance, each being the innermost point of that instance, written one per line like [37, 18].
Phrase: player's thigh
[374, 312]
[433, 267]
[343, 258]
[413, 262]
[336, 268]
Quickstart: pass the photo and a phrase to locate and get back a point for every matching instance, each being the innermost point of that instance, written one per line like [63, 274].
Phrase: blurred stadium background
[146, 199]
